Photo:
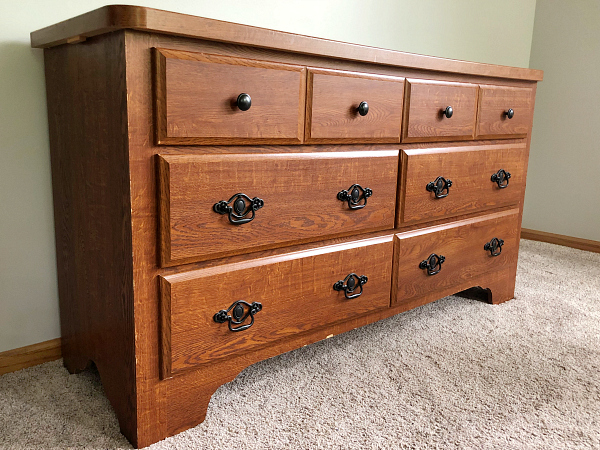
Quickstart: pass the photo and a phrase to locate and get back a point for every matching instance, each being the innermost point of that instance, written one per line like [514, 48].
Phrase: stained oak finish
[295, 290]
[462, 244]
[333, 98]
[494, 103]
[425, 102]
[470, 169]
[299, 193]
[196, 96]
[102, 106]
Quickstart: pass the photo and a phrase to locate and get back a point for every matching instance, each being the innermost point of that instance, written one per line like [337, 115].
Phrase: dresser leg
[494, 291]
[74, 360]
[500, 287]
[500, 292]
[188, 403]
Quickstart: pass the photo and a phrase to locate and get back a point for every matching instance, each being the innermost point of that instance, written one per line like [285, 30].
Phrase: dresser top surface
[124, 17]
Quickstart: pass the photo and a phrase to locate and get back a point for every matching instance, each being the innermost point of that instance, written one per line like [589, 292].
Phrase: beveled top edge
[119, 17]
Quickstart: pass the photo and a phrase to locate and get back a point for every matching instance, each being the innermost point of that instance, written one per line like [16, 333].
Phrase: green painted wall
[562, 193]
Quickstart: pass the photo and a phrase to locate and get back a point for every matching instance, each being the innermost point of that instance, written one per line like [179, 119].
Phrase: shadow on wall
[29, 298]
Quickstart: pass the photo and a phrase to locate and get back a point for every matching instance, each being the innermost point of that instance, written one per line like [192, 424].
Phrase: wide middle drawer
[353, 107]
[445, 182]
[220, 205]
[235, 308]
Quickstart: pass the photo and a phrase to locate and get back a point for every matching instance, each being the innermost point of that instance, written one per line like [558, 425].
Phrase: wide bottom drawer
[217, 312]
[433, 262]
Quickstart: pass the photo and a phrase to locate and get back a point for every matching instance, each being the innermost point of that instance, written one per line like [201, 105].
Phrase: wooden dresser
[225, 193]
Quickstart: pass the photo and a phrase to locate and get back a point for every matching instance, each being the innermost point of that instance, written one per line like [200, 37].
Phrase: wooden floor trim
[31, 355]
[559, 239]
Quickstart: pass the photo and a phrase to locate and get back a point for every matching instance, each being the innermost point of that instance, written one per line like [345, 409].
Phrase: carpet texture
[456, 373]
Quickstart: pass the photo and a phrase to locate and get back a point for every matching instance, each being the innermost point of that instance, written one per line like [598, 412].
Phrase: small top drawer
[504, 112]
[439, 111]
[212, 99]
[221, 205]
[348, 106]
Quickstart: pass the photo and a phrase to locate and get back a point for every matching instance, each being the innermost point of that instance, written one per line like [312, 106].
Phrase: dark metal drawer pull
[433, 264]
[354, 195]
[350, 284]
[501, 178]
[241, 311]
[242, 206]
[243, 102]
[510, 113]
[363, 108]
[447, 112]
[440, 187]
[494, 246]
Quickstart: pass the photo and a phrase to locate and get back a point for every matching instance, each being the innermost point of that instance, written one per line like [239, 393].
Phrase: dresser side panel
[86, 95]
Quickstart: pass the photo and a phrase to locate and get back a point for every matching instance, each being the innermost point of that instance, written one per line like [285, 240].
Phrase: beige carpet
[457, 373]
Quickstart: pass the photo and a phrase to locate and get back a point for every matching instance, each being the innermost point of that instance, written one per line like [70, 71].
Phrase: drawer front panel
[296, 292]
[504, 112]
[426, 111]
[334, 111]
[299, 194]
[470, 171]
[463, 246]
[197, 100]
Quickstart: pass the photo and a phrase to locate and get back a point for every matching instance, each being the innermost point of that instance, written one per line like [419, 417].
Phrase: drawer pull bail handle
[363, 108]
[501, 178]
[447, 112]
[243, 102]
[241, 311]
[494, 246]
[440, 187]
[354, 195]
[242, 206]
[350, 284]
[433, 264]
[510, 113]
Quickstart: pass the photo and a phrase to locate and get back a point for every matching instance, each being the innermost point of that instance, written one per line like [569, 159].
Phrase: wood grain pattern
[295, 290]
[120, 115]
[494, 102]
[86, 91]
[462, 243]
[560, 239]
[151, 393]
[425, 100]
[332, 101]
[30, 355]
[119, 17]
[470, 170]
[299, 193]
[196, 97]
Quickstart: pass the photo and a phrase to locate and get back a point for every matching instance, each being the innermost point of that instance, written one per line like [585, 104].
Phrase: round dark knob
[510, 113]
[448, 111]
[363, 108]
[244, 102]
